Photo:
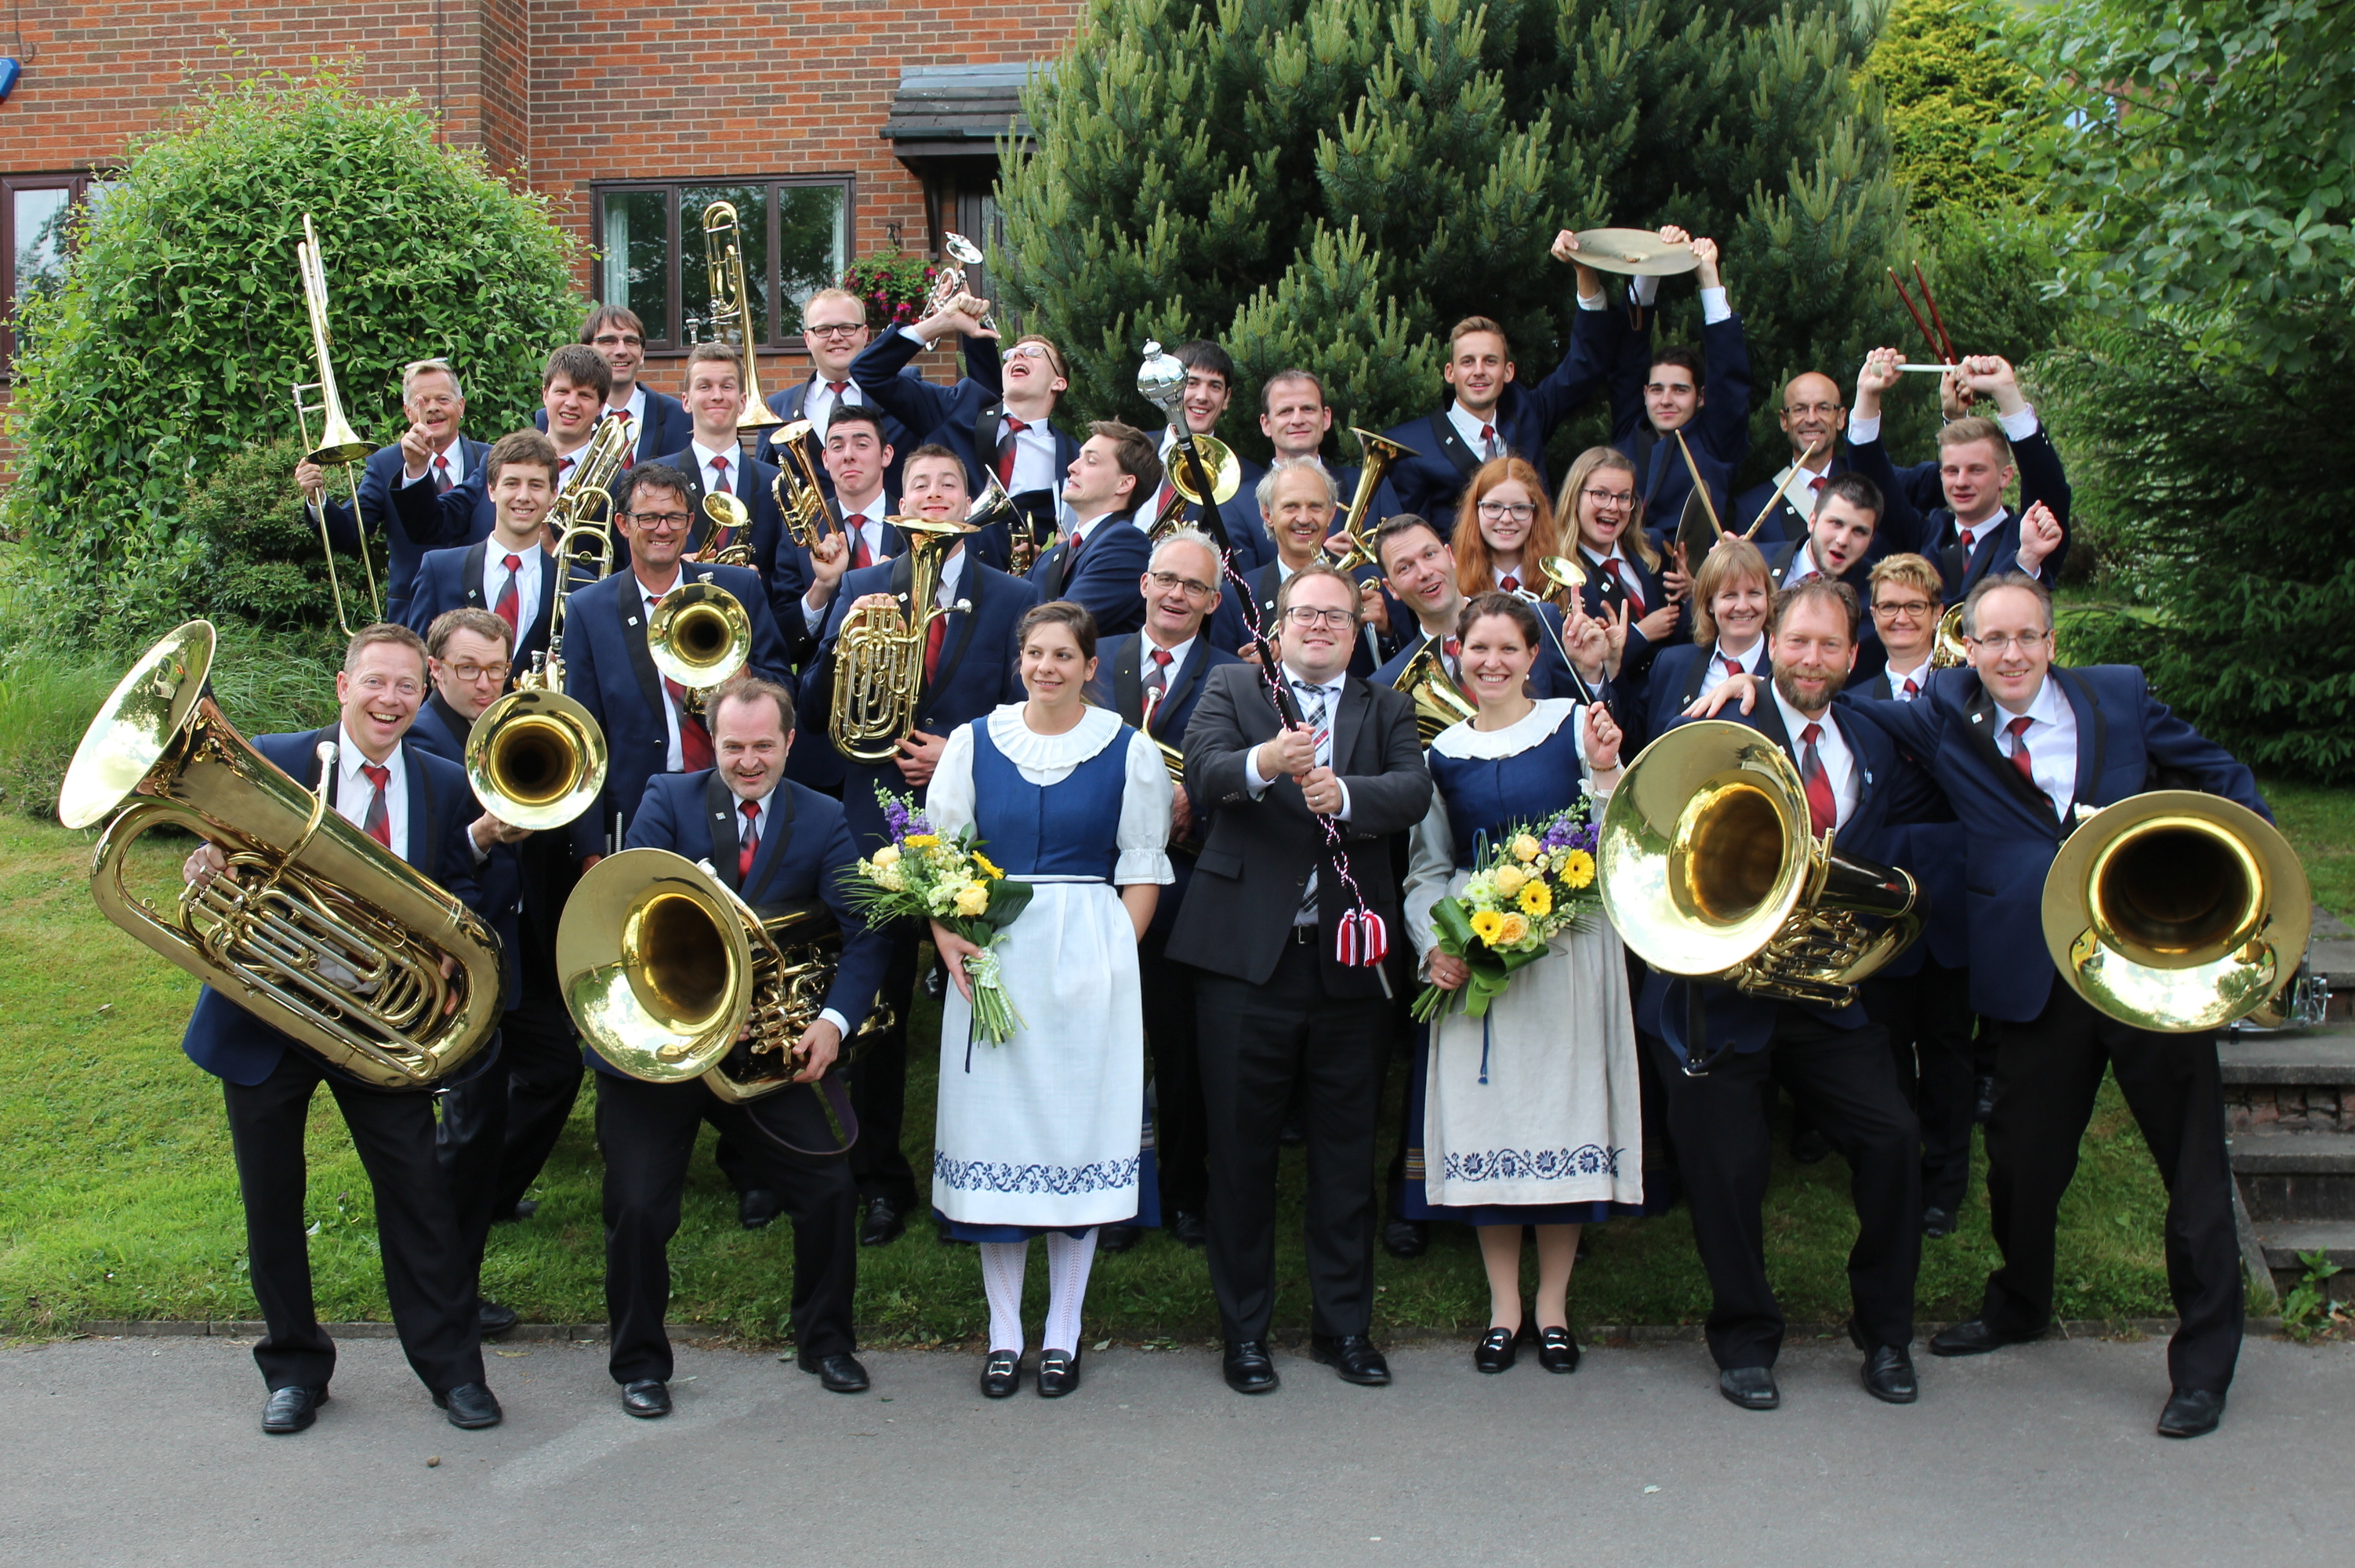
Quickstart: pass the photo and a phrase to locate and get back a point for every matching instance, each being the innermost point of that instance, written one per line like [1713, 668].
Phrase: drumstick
[1778, 496]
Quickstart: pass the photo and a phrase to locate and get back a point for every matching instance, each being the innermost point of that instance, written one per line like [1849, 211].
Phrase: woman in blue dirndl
[1531, 1115]
[1041, 1136]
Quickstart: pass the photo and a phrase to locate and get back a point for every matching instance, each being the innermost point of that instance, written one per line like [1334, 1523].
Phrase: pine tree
[1331, 183]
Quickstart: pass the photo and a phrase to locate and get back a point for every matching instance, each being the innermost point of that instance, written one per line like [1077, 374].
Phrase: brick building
[836, 128]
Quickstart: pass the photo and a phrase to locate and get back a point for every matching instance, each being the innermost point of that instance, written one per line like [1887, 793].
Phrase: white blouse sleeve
[1430, 866]
[1144, 804]
[948, 803]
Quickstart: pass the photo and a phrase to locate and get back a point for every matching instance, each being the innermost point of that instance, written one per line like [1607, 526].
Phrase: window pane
[40, 258]
[812, 247]
[695, 258]
[633, 273]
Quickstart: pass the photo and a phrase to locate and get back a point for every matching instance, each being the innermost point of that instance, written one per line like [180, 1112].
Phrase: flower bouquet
[1529, 885]
[919, 873]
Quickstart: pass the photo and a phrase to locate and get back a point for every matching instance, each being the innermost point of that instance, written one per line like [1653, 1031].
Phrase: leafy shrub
[1944, 94]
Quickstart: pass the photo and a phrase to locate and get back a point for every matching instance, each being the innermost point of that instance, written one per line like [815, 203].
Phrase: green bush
[1945, 94]
[169, 352]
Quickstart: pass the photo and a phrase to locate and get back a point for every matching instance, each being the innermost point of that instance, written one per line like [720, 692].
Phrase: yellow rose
[1535, 900]
[1508, 881]
[921, 840]
[971, 901]
[982, 862]
[887, 856]
[1524, 848]
[1487, 925]
[1577, 869]
[1516, 930]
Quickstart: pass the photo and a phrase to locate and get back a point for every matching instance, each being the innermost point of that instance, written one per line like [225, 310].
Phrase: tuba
[1439, 702]
[664, 967]
[731, 309]
[1708, 869]
[340, 445]
[879, 655]
[325, 935]
[1380, 452]
[2179, 912]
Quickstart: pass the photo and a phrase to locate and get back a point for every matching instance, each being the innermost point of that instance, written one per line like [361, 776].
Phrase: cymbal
[1635, 250]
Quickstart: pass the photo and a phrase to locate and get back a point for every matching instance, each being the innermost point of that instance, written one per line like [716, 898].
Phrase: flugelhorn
[731, 302]
[338, 445]
[315, 929]
[950, 280]
[879, 655]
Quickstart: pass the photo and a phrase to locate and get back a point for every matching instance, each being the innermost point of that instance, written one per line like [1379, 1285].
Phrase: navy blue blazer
[1678, 675]
[229, 1042]
[1717, 434]
[1934, 850]
[440, 730]
[1930, 530]
[1230, 631]
[1119, 685]
[1604, 593]
[979, 670]
[1429, 482]
[608, 670]
[452, 579]
[805, 852]
[964, 418]
[464, 521]
[1109, 577]
[2011, 832]
[666, 426]
[1890, 791]
[784, 565]
[787, 404]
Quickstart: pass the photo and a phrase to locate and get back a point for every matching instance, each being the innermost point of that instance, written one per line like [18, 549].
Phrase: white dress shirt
[494, 582]
[1258, 785]
[1797, 486]
[1804, 564]
[2051, 740]
[1753, 662]
[567, 463]
[633, 412]
[354, 792]
[673, 760]
[704, 457]
[818, 401]
[1831, 751]
[1469, 425]
[455, 453]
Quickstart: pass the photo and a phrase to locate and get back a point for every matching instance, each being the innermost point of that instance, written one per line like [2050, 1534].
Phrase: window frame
[667, 340]
[76, 183]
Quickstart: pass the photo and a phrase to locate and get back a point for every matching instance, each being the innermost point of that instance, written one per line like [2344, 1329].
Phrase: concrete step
[2283, 1241]
[2296, 1080]
[2290, 1176]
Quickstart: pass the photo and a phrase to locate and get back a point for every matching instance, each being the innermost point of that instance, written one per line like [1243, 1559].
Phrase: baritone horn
[1226, 478]
[2179, 912]
[1380, 451]
[338, 445]
[879, 655]
[731, 309]
[316, 930]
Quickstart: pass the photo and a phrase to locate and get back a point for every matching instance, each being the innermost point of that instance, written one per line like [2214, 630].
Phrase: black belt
[1303, 937]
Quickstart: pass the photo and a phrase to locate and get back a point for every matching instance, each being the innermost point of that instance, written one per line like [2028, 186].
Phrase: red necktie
[441, 474]
[751, 809]
[694, 741]
[377, 823]
[1911, 690]
[1823, 811]
[838, 389]
[1161, 502]
[1626, 582]
[1817, 483]
[506, 609]
[719, 477]
[1006, 448]
[1452, 647]
[563, 467]
[629, 452]
[1510, 584]
[1488, 441]
[1072, 561]
[859, 554]
[935, 636]
[1966, 537]
[2017, 729]
[1732, 666]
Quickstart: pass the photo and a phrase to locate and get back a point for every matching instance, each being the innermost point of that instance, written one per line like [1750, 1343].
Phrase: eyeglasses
[1030, 351]
[2026, 642]
[1825, 409]
[375, 684]
[1306, 615]
[1909, 609]
[1165, 580]
[609, 340]
[1602, 498]
[659, 519]
[832, 329]
[474, 674]
[1497, 511]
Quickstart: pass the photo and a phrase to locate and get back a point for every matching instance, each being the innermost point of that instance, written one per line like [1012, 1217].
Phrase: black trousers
[1842, 1078]
[427, 1277]
[648, 1133]
[1257, 1043]
[2047, 1073]
[878, 1088]
[1181, 1134]
[1928, 1016]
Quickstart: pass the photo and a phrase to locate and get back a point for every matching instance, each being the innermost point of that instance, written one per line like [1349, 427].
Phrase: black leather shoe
[1889, 1375]
[1188, 1229]
[1809, 1147]
[1973, 1339]
[1937, 1223]
[493, 1319]
[293, 1408]
[1058, 1373]
[1496, 1351]
[1984, 1108]
[1249, 1367]
[885, 1221]
[1557, 1351]
[2191, 1413]
[1752, 1387]
[646, 1397]
[524, 1210]
[1406, 1238]
[1117, 1238]
[1001, 1375]
[472, 1407]
[837, 1375]
[756, 1206]
[1352, 1356]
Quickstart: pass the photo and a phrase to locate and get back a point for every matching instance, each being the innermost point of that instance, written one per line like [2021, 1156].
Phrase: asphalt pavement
[149, 1452]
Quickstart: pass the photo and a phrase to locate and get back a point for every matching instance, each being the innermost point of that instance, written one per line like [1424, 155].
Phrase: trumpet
[317, 929]
[799, 496]
[1226, 478]
[950, 281]
[699, 635]
[338, 445]
[1380, 452]
[731, 309]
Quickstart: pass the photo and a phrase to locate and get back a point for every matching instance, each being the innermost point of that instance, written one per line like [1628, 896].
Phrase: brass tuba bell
[699, 636]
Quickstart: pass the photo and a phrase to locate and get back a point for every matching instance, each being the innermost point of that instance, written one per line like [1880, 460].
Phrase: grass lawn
[118, 1197]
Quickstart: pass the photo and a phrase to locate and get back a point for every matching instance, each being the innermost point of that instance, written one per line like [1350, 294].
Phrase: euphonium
[879, 657]
[2179, 912]
[664, 967]
[799, 494]
[1707, 868]
[325, 935]
[1439, 702]
[1380, 451]
[1226, 478]
[340, 445]
[731, 302]
[699, 636]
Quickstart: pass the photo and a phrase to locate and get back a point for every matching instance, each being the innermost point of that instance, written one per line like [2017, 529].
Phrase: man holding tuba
[418, 807]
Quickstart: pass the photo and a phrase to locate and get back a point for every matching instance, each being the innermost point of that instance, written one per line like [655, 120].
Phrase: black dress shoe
[1973, 1339]
[1752, 1387]
[837, 1375]
[1352, 1356]
[494, 1319]
[524, 1210]
[1809, 1147]
[293, 1408]
[757, 1206]
[1188, 1229]
[1058, 1373]
[885, 1223]
[1001, 1375]
[646, 1397]
[2190, 1412]
[1937, 1223]
[1984, 1108]
[1889, 1375]
[1496, 1351]
[1117, 1238]
[1249, 1367]
[1406, 1238]
[472, 1407]
[1557, 1351]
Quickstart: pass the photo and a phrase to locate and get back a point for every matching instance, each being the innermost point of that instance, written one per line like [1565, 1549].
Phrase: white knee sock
[1069, 1258]
[1002, 1263]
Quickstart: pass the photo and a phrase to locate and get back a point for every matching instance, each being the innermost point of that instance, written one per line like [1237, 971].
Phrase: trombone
[731, 302]
[338, 445]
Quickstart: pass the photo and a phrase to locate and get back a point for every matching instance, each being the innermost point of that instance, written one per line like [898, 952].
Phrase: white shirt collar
[704, 455]
[456, 453]
[873, 511]
[1748, 661]
[1994, 520]
[952, 573]
[2045, 707]
[1468, 425]
[1145, 645]
[634, 409]
[1299, 679]
[1918, 675]
[350, 759]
